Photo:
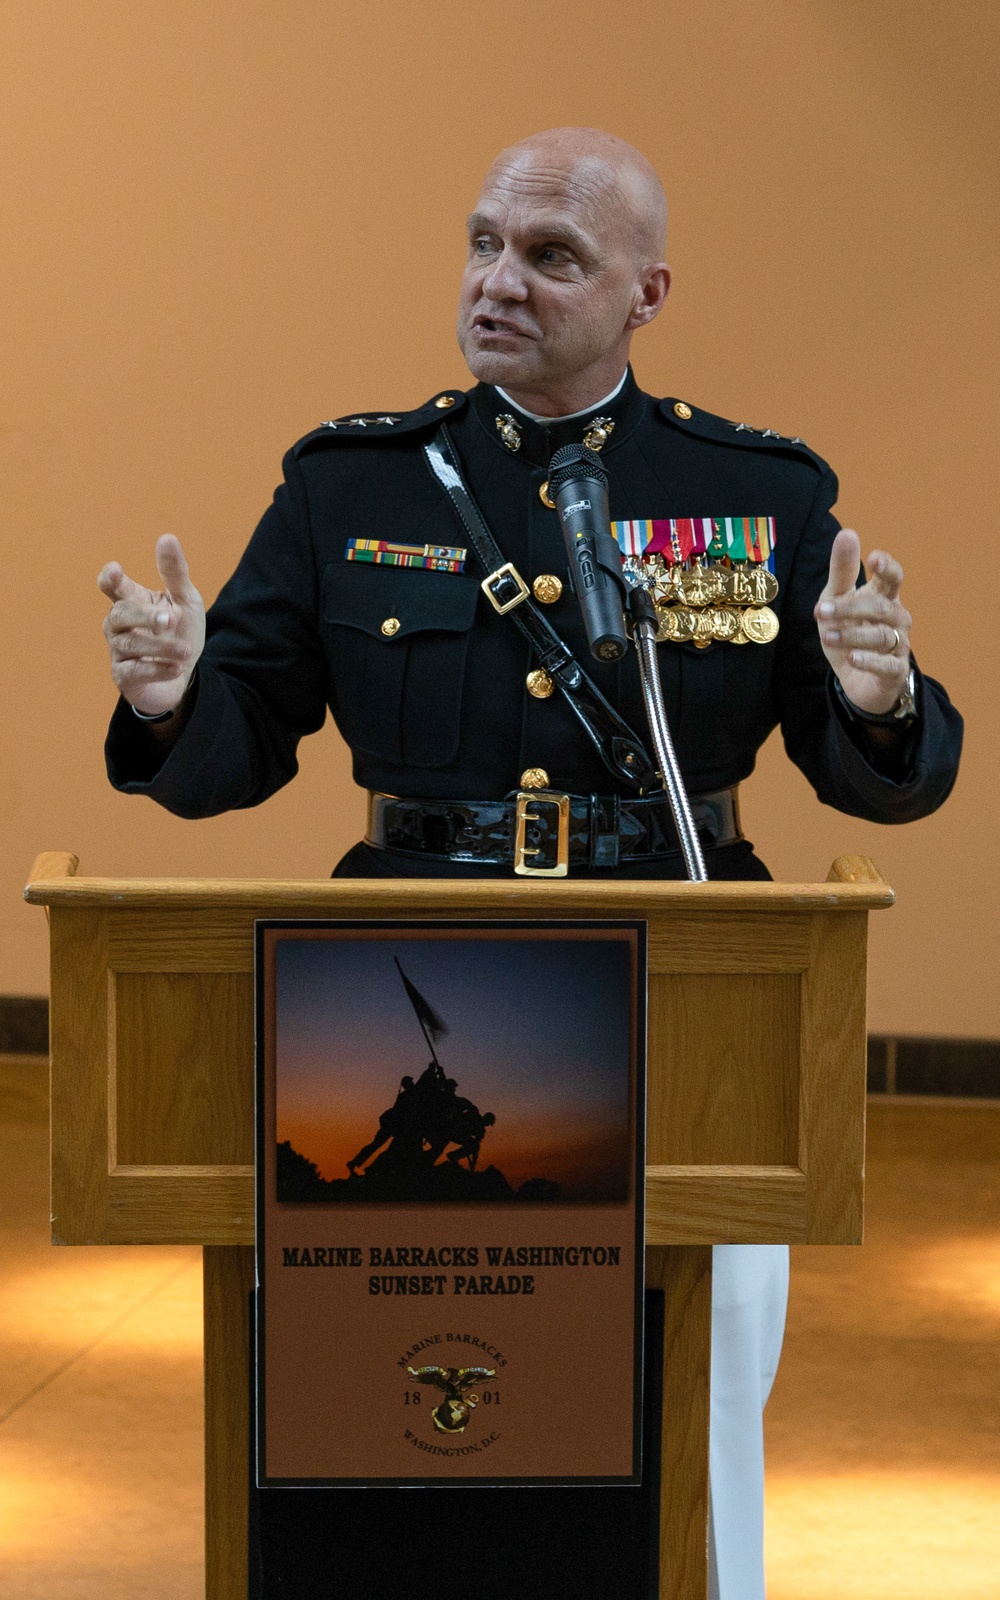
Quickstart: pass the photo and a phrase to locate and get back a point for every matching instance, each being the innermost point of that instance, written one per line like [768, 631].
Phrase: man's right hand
[155, 635]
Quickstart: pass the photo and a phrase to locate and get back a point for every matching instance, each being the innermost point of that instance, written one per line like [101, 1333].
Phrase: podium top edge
[406, 897]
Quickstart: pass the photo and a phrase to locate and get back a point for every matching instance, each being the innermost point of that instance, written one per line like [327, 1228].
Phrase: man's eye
[482, 247]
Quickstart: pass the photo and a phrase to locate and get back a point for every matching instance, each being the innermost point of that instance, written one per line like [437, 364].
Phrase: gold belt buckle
[546, 797]
[508, 570]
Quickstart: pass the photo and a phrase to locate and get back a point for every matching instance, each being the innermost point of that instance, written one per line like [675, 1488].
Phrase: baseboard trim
[936, 1102]
[963, 1069]
[24, 1025]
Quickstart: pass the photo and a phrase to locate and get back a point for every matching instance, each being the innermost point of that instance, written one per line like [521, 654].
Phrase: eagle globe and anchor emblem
[453, 1413]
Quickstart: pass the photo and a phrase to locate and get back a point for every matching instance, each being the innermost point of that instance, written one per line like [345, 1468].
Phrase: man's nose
[505, 279]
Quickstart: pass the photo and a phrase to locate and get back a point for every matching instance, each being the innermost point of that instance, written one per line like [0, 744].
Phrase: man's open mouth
[497, 325]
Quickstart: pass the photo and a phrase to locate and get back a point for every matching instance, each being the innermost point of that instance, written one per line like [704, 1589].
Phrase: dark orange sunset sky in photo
[538, 1034]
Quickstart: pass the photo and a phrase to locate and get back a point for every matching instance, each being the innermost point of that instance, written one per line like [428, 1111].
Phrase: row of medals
[717, 602]
[724, 601]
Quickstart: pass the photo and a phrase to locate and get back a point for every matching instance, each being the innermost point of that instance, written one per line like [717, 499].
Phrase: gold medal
[668, 581]
[702, 585]
[666, 625]
[726, 622]
[760, 624]
[748, 585]
[739, 589]
[662, 624]
[764, 585]
[682, 624]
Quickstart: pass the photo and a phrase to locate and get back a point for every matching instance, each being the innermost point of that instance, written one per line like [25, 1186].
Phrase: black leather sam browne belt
[541, 833]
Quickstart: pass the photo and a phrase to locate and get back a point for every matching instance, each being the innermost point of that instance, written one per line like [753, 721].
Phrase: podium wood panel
[723, 1068]
[757, 1036]
[182, 1092]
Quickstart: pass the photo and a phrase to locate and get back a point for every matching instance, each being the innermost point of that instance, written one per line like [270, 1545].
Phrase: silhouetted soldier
[462, 1123]
[473, 1126]
[390, 1123]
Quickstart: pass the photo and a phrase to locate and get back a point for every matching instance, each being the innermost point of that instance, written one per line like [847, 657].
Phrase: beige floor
[884, 1427]
[100, 1395]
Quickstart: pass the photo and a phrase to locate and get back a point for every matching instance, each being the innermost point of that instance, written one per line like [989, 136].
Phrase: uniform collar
[539, 439]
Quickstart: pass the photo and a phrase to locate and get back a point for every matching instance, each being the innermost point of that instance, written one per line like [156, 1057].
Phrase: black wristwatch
[903, 713]
[154, 716]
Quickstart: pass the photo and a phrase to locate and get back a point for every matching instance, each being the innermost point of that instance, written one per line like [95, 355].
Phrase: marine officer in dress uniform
[361, 591]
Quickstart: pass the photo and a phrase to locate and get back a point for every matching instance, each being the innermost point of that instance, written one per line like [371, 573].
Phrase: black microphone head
[575, 461]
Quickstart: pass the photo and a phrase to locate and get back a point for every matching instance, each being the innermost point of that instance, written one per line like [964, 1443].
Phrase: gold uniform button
[534, 778]
[545, 497]
[539, 684]
[444, 402]
[547, 588]
[390, 626]
[682, 411]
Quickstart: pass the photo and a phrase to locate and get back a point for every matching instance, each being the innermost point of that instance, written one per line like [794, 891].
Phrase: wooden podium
[756, 1104]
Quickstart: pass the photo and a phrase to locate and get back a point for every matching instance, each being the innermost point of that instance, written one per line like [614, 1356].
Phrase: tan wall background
[223, 222]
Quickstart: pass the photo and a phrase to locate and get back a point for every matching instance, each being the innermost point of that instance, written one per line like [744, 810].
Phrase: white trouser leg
[749, 1298]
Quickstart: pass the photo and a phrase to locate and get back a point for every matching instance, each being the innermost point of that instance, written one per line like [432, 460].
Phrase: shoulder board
[365, 425]
[680, 414]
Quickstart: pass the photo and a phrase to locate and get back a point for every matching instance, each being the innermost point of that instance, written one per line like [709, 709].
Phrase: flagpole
[416, 1013]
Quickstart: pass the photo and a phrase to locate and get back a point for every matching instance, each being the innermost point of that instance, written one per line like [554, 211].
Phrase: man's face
[550, 281]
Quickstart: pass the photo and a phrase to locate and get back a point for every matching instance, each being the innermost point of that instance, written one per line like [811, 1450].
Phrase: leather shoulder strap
[621, 750]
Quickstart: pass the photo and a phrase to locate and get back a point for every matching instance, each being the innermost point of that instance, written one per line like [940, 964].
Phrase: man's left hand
[865, 633]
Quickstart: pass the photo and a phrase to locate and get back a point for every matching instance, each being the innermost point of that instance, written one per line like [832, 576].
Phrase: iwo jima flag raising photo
[449, 1195]
[434, 1026]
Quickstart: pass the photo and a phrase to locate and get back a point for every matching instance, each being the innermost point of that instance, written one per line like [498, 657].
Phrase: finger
[128, 614]
[845, 563]
[138, 646]
[884, 666]
[172, 566]
[146, 672]
[113, 581]
[867, 605]
[884, 573]
[878, 636]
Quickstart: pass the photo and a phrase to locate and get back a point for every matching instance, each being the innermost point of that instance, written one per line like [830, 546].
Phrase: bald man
[362, 591]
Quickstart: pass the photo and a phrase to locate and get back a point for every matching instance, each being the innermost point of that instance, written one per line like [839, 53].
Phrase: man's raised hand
[155, 635]
[865, 633]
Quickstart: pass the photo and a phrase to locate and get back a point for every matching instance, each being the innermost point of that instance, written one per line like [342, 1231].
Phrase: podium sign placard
[450, 1146]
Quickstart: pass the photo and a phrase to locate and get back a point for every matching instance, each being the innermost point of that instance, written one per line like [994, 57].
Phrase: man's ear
[653, 291]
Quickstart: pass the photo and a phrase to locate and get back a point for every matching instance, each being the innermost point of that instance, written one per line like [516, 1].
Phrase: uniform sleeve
[816, 738]
[260, 683]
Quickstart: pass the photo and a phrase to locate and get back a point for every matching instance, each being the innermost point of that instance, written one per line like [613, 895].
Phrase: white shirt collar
[571, 417]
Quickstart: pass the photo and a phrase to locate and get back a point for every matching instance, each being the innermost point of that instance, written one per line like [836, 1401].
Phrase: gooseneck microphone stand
[644, 627]
[579, 483]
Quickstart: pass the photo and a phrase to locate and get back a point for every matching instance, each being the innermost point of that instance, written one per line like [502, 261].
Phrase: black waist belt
[542, 833]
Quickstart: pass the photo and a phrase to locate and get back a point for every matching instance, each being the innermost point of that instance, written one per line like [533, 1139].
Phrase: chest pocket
[693, 693]
[396, 639]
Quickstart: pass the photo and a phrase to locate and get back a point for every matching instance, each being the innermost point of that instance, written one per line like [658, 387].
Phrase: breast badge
[712, 578]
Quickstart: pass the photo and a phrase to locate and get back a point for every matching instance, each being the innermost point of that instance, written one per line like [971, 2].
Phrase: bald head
[608, 174]
[565, 263]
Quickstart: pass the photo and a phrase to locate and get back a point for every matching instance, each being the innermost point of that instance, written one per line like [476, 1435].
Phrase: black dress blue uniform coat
[439, 708]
